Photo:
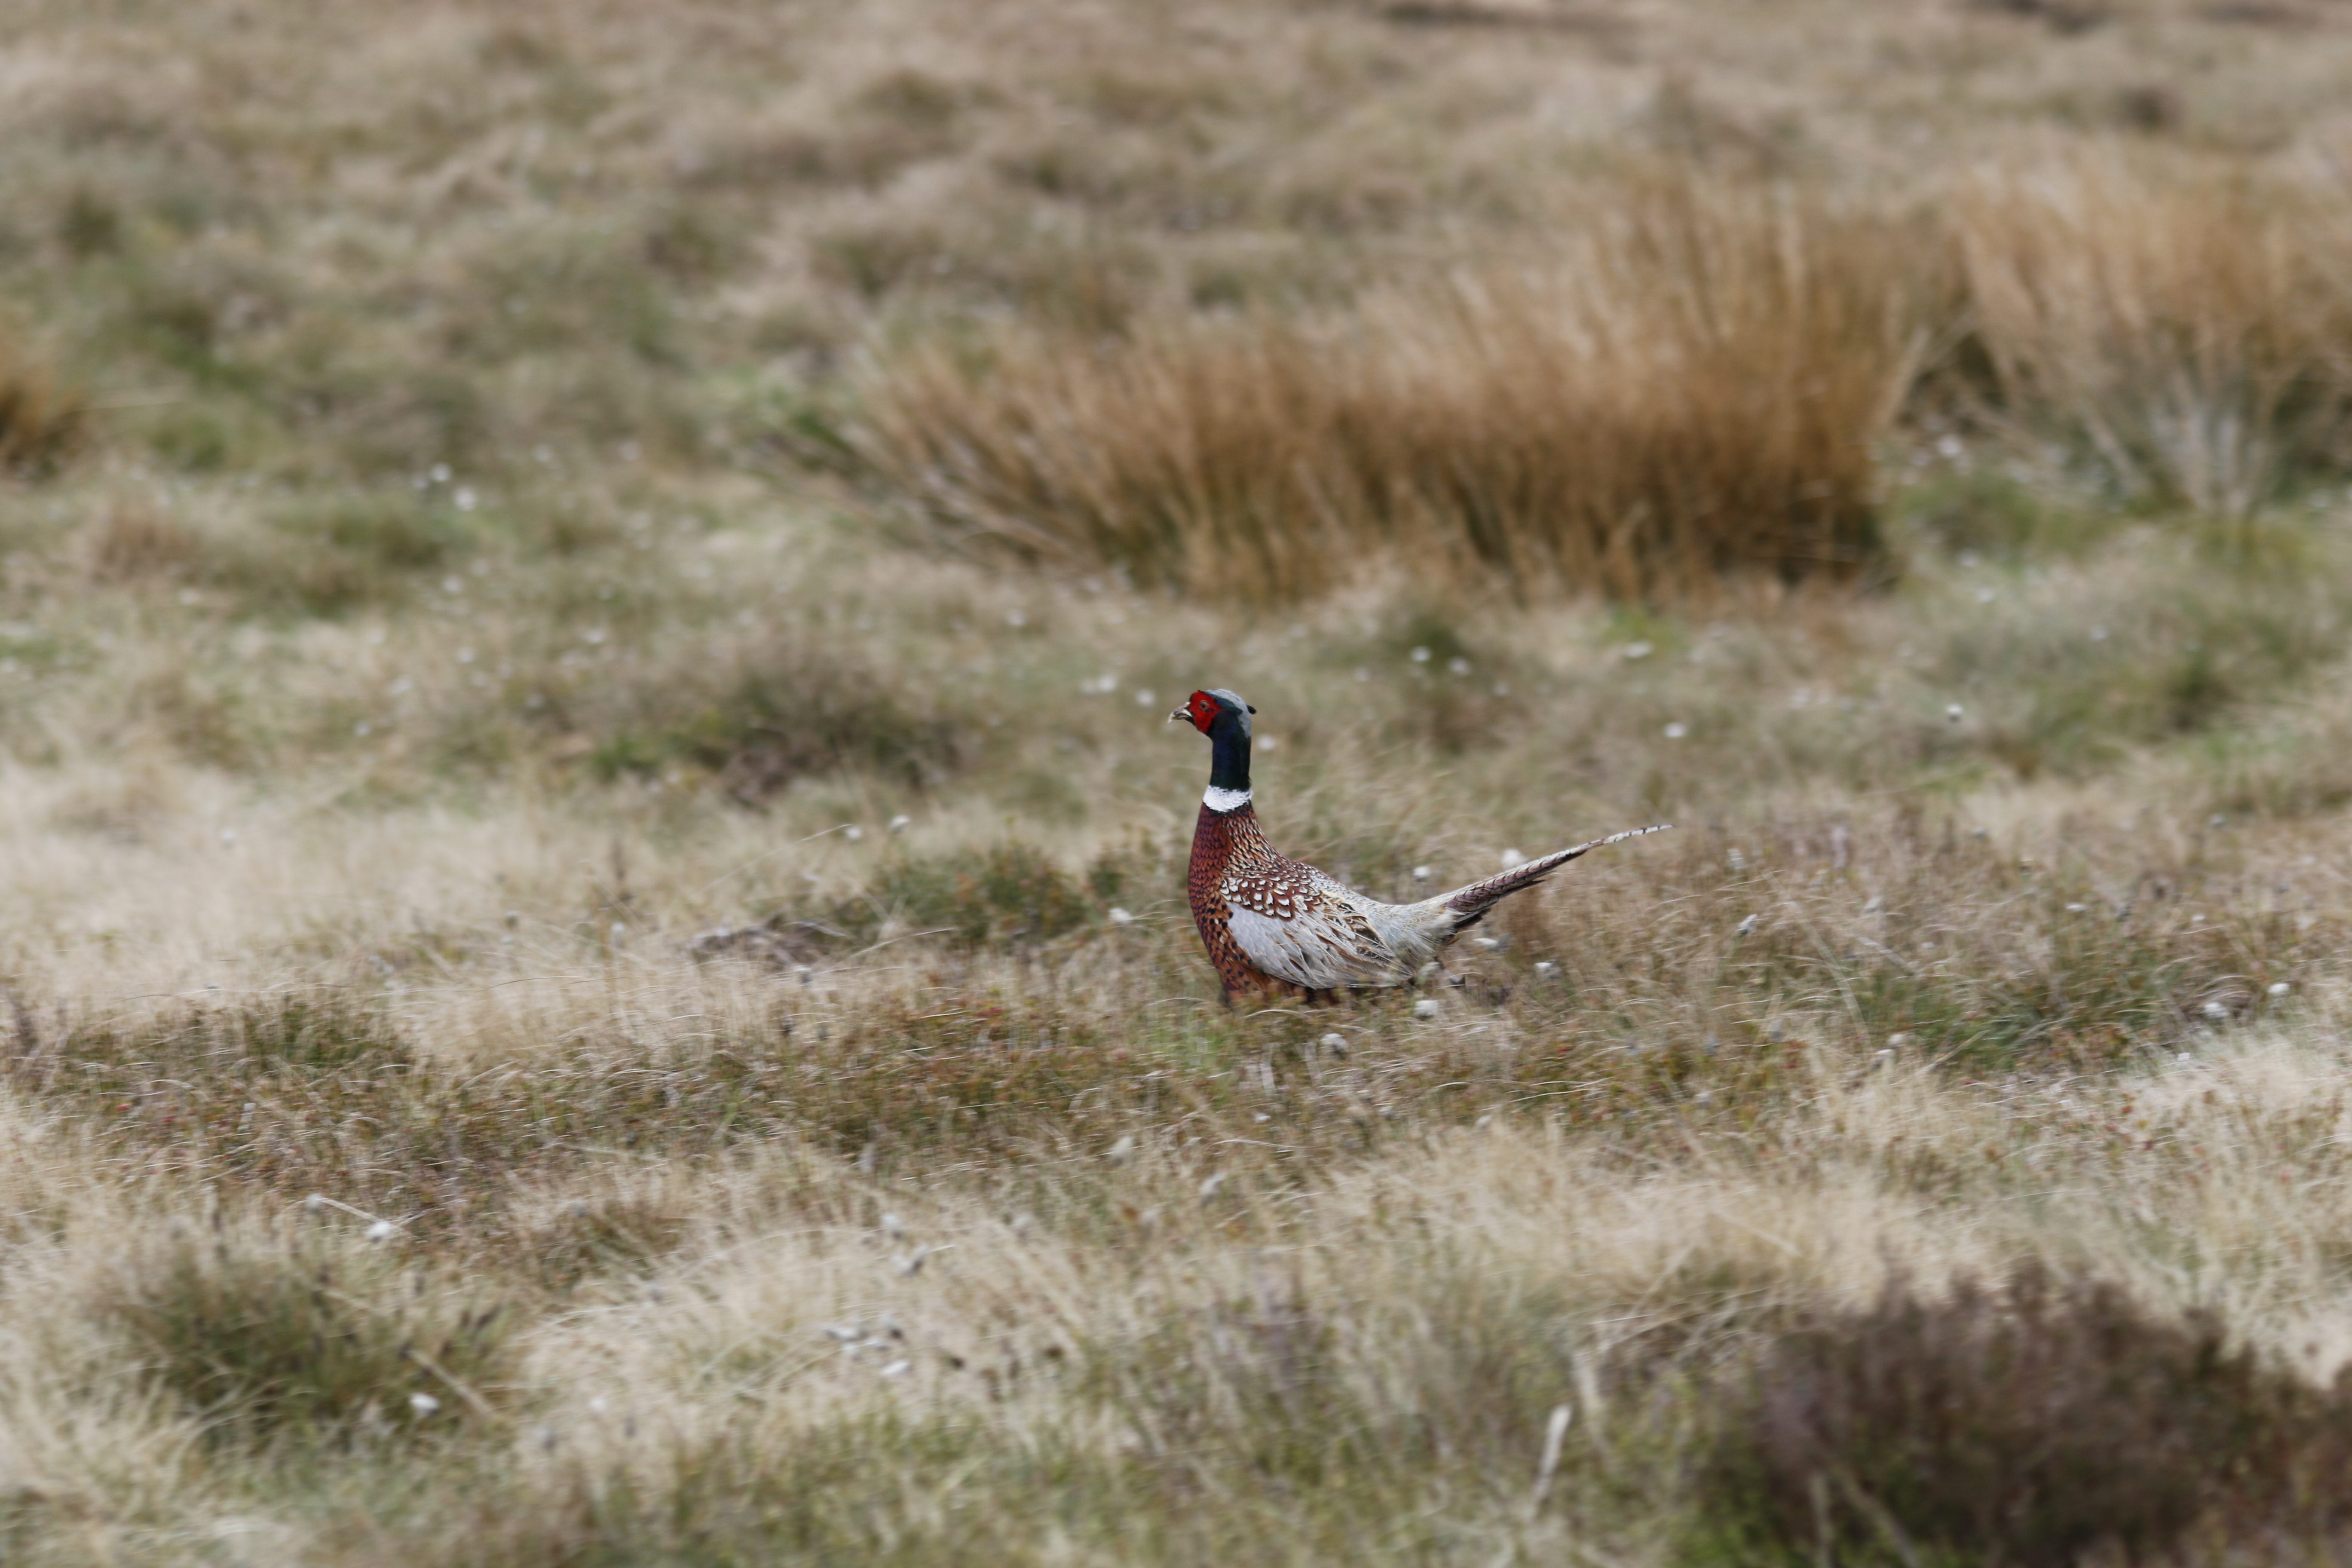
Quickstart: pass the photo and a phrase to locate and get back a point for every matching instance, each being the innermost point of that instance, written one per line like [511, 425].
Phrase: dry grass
[569, 995]
[1697, 391]
[2185, 335]
[1693, 390]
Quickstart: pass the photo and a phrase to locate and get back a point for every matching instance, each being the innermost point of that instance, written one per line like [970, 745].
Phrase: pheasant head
[1225, 719]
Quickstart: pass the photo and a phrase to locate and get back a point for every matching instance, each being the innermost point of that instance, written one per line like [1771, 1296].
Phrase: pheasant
[1272, 922]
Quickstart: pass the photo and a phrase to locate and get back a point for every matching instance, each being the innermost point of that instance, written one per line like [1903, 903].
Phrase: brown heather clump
[2027, 1423]
[1691, 388]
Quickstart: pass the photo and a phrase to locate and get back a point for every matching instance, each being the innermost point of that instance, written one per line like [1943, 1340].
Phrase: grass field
[592, 964]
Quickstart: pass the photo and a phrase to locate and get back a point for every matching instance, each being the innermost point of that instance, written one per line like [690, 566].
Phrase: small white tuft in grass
[1422, 873]
[1335, 1044]
[893, 1227]
[1121, 917]
[1636, 650]
[1458, 665]
[1143, 698]
[1746, 927]
[1124, 1150]
[1209, 1188]
[900, 823]
[1676, 730]
[2216, 1011]
[1425, 1008]
[2280, 988]
[424, 1404]
[1546, 969]
[898, 1368]
[1954, 712]
[381, 1230]
[1421, 655]
[1489, 943]
[853, 833]
[1513, 858]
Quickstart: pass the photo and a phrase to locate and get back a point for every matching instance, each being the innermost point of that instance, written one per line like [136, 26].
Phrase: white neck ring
[1226, 799]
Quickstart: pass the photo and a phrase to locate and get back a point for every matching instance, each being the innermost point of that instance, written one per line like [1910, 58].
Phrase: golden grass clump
[41, 422]
[2187, 335]
[1690, 388]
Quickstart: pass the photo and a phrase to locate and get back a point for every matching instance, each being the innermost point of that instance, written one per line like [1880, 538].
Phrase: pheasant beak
[1183, 714]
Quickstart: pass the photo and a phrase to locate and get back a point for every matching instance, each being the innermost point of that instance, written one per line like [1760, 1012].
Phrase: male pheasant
[1272, 922]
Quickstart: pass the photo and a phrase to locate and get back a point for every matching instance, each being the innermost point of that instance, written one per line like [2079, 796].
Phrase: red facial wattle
[1204, 710]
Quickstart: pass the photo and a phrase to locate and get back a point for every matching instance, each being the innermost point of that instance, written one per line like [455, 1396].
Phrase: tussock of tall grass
[2186, 334]
[1689, 389]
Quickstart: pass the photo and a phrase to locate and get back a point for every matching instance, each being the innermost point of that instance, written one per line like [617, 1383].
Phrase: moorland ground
[591, 957]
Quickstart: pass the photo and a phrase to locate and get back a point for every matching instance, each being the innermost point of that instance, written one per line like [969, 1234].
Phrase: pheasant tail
[1471, 903]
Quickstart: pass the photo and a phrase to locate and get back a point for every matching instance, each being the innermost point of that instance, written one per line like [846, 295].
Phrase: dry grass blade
[1688, 390]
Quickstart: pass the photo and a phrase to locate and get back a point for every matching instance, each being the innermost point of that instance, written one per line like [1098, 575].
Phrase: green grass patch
[286, 1337]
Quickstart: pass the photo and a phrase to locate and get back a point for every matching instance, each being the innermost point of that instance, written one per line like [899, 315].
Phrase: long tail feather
[1471, 903]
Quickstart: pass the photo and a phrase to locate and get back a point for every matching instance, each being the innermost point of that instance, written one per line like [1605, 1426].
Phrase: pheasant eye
[1204, 709]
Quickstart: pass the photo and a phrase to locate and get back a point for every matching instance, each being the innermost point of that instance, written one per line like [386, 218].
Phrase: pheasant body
[1270, 921]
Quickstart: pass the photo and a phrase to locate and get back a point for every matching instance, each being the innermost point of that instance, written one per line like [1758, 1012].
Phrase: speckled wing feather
[1297, 924]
